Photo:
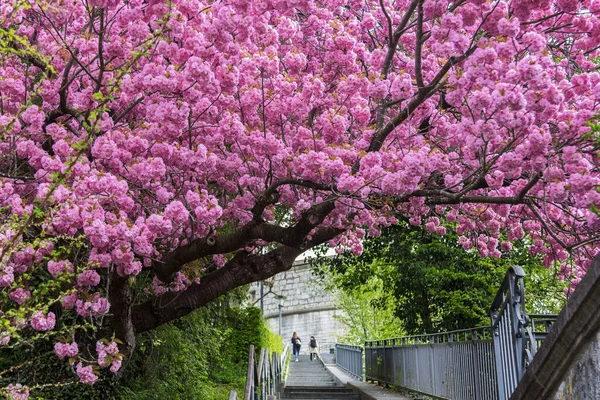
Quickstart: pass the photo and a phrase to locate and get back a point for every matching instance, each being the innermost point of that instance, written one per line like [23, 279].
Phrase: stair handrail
[512, 337]
[264, 377]
[249, 390]
[283, 362]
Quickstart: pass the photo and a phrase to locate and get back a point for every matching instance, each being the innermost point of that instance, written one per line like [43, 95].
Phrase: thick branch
[293, 236]
[422, 95]
[270, 196]
[244, 268]
[393, 43]
[419, 46]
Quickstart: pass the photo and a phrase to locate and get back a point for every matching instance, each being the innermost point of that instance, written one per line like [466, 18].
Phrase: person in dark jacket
[296, 343]
[313, 348]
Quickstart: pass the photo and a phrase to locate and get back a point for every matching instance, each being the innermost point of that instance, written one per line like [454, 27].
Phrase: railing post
[394, 361]
[476, 374]
[509, 321]
[417, 364]
[362, 356]
[248, 393]
[404, 360]
[431, 363]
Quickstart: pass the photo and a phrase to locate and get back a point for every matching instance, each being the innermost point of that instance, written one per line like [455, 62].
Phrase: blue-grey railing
[517, 335]
[350, 359]
[451, 365]
[483, 363]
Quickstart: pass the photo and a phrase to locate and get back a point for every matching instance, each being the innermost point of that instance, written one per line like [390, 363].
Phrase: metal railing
[516, 334]
[264, 378]
[484, 363]
[508, 323]
[283, 363]
[540, 326]
[350, 359]
[451, 365]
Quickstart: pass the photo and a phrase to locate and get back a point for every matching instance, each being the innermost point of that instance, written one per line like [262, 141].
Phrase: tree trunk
[120, 295]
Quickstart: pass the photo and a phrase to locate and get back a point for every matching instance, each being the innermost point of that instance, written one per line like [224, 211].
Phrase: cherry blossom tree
[157, 154]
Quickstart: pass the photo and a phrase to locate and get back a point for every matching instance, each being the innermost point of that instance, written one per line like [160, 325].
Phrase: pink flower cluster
[4, 339]
[58, 267]
[86, 374]
[93, 306]
[108, 354]
[66, 349]
[88, 278]
[17, 392]
[39, 322]
[20, 295]
[6, 276]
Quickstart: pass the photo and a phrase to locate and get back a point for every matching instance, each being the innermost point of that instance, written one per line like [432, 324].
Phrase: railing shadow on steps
[484, 363]
[265, 376]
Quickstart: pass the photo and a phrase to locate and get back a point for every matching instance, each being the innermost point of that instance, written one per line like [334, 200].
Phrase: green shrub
[203, 355]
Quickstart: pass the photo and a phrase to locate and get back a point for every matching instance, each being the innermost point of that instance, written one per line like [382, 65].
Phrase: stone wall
[308, 309]
[583, 378]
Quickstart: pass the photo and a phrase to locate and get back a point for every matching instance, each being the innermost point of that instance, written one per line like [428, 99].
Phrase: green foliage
[38, 367]
[201, 356]
[244, 332]
[369, 313]
[435, 284]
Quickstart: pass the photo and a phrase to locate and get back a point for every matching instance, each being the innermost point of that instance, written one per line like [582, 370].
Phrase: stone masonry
[307, 309]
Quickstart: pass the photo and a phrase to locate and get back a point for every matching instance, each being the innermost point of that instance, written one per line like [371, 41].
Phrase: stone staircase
[309, 380]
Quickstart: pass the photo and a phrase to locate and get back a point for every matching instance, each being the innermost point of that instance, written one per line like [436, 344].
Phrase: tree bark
[244, 268]
[120, 295]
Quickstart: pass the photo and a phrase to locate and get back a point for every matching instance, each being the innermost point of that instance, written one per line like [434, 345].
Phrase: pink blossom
[58, 267]
[20, 295]
[39, 322]
[68, 301]
[88, 278]
[115, 366]
[6, 276]
[17, 392]
[95, 306]
[108, 354]
[4, 338]
[66, 349]
[176, 212]
[86, 374]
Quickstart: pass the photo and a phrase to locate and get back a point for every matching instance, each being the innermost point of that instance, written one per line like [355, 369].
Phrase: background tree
[150, 150]
[368, 311]
[432, 283]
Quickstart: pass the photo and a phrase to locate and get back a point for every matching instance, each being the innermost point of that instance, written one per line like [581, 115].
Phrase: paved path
[368, 391]
[311, 380]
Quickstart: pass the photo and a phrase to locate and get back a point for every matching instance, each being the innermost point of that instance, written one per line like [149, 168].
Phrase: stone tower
[308, 309]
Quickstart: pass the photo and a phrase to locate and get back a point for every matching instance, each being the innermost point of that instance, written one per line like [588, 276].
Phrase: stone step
[316, 395]
[310, 380]
[333, 396]
[324, 398]
[318, 389]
